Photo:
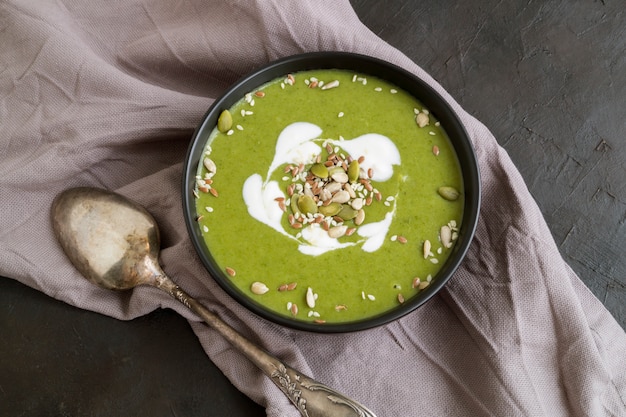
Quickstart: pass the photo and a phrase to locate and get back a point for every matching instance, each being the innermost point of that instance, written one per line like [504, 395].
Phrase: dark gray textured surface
[547, 78]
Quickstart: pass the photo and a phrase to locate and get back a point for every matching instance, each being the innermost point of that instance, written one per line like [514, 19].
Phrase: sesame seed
[340, 114]
[371, 297]
[431, 133]
[434, 260]
[437, 124]
[209, 209]
[205, 229]
[378, 89]
[393, 91]
[230, 132]
[239, 127]
[393, 238]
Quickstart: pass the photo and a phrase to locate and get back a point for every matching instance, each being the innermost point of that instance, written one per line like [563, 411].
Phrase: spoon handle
[312, 398]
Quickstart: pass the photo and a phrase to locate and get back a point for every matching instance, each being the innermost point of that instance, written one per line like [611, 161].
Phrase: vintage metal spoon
[114, 243]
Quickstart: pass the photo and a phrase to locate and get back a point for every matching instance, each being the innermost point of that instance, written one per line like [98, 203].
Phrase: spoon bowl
[114, 243]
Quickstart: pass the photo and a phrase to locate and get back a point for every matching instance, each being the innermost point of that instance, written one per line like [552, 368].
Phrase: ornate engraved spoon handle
[312, 398]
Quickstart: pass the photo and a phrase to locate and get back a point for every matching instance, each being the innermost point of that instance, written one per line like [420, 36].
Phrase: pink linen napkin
[96, 95]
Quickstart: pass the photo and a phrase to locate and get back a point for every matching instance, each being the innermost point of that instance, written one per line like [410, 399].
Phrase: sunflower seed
[422, 119]
[259, 288]
[332, 84]
[337, 231]
[341, 197]
[445, 234]
[210, 165]
[310, 297]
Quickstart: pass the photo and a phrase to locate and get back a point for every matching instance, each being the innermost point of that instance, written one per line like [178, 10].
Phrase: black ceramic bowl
[363, 65]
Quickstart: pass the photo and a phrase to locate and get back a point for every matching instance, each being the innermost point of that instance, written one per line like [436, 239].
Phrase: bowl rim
[363, 64]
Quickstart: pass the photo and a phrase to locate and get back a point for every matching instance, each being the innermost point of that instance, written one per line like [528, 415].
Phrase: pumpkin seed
[224, 122]
[449, 193]
[307, 205]
[354, 171]
[347, 212]
[294, 205]
[320, 170]
[330, 210]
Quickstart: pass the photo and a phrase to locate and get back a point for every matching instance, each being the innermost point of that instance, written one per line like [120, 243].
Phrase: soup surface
[329, 196]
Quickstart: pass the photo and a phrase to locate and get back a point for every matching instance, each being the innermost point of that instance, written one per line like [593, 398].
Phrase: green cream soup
[328, 196]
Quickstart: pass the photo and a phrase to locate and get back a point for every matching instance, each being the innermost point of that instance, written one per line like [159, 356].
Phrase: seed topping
[224, 121]
[448, 193]
[259, 288]
[332, 191]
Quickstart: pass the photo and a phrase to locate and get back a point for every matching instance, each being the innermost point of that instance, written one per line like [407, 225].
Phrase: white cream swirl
[298, 144]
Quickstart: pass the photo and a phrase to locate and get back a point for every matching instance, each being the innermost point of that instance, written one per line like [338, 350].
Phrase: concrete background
[547, 78]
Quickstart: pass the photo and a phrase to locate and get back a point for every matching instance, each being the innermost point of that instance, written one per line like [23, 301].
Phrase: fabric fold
[96, 95]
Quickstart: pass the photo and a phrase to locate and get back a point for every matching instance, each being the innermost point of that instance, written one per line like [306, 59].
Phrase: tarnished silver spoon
[114, 243]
